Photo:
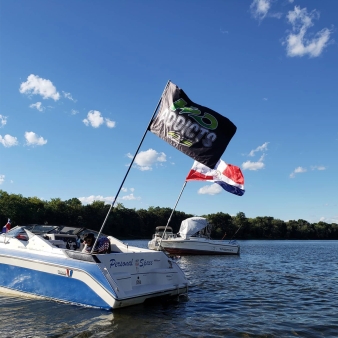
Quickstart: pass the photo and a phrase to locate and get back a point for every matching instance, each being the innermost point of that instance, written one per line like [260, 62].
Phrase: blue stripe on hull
[49, 285]
[62, 262]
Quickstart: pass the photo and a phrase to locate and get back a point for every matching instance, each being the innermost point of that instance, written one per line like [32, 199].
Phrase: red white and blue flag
[228, 176]
[7, 226]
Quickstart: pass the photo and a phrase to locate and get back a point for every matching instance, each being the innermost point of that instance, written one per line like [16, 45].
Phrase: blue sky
[80, 81]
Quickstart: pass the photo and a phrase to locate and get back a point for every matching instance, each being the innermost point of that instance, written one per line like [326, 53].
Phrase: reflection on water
[274, 289]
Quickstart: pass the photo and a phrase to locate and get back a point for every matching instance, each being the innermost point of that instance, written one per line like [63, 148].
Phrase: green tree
[240, 224]
[124, 222]
[222, 225]
[35, 210]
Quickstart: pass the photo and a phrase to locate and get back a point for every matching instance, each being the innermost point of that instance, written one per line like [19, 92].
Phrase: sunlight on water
[274, 289]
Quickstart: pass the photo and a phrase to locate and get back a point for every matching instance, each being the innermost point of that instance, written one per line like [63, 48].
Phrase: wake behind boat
[42, 266]
[194, 239]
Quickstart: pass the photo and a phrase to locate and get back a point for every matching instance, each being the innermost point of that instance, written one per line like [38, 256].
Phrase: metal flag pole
[235, 234]
[159, 244]
[138, 148]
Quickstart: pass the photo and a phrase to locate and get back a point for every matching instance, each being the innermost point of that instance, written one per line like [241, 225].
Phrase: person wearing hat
[102, 245]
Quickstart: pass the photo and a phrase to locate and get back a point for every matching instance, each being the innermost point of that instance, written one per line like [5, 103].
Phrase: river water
[273, 289]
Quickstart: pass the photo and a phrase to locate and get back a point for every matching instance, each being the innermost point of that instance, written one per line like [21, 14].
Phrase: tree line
[126, 223]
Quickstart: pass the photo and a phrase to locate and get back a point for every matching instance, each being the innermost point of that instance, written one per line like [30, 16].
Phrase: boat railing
[165, 236]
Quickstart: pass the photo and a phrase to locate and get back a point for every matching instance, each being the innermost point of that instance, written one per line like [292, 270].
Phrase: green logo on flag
[206, 121]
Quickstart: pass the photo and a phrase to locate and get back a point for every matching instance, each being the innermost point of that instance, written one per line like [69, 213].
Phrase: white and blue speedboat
[41, 266]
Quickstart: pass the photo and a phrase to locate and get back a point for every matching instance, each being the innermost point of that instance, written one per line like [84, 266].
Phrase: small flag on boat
[195, 130]
[7, 226]
[228, 176]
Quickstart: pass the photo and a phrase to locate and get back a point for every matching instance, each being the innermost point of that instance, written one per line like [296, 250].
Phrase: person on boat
[102, 245]
[7, 226]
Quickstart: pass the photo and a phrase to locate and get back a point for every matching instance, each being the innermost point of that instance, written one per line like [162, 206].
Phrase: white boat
[160, 231]
[40, 265]
[194, 239]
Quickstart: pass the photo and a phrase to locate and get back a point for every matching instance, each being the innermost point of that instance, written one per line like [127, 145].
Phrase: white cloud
[298, 170]
[2, 179]
[33, 139]
[248, 165]
[259, 148]
[146, 159]
[296, 42]
[3, 120]
[68, 96]
[291, 1]
[92, 198]
[38, 106]
[94, 119]
[276, 15]
[37, 85]
[110, 123]
[212, 189]
[260, 8]
[130, 197]
[74, 112]
[8, 141]
[318, 167]
[333, 219]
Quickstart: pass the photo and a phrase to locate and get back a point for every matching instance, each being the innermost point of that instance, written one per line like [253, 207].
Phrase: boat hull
[199, 247]
[154, 244]
[106, 281]
[50, 286]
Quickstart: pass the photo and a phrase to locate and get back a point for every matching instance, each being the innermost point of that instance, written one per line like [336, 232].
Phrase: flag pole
[235, 234]
[138, 148]
[159, 244]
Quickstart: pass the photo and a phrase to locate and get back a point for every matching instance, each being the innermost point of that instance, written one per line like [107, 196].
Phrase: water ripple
[274, 289]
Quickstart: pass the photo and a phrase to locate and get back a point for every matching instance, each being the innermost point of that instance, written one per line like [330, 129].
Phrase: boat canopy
[191, 226]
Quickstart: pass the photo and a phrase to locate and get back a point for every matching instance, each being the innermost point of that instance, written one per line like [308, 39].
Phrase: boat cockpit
[159, 231]
[44, 237]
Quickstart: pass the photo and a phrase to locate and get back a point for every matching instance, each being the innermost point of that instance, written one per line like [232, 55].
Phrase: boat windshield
[41, 229]
[19, 233]
[159, 231]
[162, 228]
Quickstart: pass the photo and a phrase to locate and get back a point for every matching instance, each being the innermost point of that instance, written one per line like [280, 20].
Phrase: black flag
[195, 130]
